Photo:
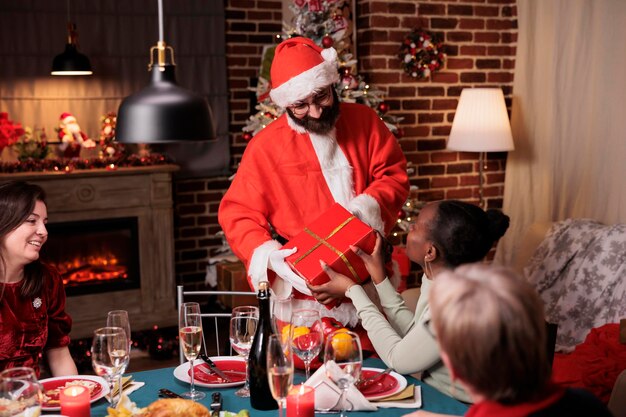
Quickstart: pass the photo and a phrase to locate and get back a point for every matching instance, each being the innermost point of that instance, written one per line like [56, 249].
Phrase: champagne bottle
[260, 394]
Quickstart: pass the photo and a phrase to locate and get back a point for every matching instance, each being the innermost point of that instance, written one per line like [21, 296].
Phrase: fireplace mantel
[142, 192]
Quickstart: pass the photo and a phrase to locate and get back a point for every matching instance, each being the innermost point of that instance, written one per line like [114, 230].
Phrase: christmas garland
[69, 165]
[422, 53]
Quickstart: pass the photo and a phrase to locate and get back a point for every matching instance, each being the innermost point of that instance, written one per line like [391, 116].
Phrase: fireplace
[95, 256]
[112, 235]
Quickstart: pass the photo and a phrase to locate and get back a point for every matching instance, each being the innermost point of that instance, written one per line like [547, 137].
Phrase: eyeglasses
[429, 328]
[322, 99]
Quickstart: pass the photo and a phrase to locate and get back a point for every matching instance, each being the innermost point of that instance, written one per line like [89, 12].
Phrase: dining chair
[222, 316]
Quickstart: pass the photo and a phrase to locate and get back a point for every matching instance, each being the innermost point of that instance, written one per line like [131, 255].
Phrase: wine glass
[306, 336]
[119, 318]
[243, 324]
[190, 330]
[279, 370]
[109, 355]
[20, 392]
[281, 317]
[342, 359]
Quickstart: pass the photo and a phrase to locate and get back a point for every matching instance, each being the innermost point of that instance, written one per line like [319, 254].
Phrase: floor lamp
[481, 124]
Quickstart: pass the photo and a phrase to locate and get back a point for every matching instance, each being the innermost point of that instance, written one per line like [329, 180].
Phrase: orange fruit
[341, 343]
[297, 332]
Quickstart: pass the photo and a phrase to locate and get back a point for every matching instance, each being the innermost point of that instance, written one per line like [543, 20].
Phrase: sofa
[579, 268]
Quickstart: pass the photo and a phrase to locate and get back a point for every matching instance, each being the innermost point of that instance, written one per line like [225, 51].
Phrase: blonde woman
[490, 327]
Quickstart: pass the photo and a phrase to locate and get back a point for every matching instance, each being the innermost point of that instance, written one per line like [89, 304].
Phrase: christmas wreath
[422, 53]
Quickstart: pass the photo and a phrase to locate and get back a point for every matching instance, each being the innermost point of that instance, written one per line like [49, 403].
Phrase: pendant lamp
[163, 112]
[70, 61]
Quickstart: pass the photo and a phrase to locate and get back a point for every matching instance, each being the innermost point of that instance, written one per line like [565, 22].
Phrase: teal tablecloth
[432, 399]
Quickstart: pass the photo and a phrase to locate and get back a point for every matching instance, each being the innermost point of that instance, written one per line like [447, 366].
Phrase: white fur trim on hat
[366, 208]
[308, 82]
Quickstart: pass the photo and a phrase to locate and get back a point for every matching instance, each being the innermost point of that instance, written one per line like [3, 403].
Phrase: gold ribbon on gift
[324, 241]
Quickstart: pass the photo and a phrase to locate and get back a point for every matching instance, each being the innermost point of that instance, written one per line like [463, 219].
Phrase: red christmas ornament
[315, 5]
[401, 214]
[327, 41]
[383, 107]
[247, 136]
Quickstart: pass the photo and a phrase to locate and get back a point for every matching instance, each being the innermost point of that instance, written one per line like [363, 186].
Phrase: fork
[206, 359]
[364, 383]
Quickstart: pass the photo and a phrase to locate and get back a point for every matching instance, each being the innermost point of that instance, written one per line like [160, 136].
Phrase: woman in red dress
[33, 321]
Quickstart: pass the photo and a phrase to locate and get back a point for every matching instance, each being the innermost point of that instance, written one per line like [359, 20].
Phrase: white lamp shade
[481, 123]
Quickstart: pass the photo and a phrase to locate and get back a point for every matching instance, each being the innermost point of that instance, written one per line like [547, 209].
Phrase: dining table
[432, 399]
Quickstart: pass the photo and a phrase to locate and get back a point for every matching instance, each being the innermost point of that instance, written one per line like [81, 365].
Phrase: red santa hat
[301, 68]
[65, 116]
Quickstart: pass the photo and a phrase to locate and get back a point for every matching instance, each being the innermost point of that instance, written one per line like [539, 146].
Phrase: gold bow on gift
[324, 241]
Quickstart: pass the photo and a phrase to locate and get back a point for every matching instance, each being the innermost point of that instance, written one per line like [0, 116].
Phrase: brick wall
[480, 36]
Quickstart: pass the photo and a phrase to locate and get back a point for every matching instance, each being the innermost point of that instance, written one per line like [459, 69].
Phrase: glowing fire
[92, 268]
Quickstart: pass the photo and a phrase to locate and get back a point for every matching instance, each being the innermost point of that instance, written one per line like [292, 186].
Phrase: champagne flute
[243, 324]
[281, 317]
[20, 392]
[306, 336]
[109, 355]
[119, 318]
[343, 359]
[190, 330]
[279, 370]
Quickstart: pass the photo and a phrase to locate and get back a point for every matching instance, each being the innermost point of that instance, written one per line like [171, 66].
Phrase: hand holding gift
[339, 283]
[329, 239]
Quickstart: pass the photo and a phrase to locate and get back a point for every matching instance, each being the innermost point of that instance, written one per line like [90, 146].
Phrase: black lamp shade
[71, 62]
[163, 112]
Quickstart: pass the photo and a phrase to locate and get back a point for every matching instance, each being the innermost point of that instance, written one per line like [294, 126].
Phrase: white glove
[277, 264]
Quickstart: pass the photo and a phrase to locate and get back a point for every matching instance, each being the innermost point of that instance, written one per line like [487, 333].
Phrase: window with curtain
[116, 35]
[568, 116]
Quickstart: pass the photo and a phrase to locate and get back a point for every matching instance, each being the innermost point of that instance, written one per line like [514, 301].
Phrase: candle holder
[75, 401]
[301, 401]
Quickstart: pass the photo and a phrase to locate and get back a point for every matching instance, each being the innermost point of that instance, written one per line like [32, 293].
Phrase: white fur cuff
[366, 208]
[257, 269]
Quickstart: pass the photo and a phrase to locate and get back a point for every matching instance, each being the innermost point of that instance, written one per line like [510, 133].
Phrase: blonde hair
[490, 322]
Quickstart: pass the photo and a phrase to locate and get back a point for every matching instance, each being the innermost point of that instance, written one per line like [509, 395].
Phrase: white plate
[182, 372]
[57, 381]
[387, 393]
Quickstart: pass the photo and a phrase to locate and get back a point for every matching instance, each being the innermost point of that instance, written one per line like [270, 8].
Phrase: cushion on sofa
[579, 270]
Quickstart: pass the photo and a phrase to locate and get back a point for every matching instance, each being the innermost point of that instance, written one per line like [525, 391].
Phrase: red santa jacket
[287, 178]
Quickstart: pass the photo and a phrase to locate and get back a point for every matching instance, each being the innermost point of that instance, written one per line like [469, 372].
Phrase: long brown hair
[17, 202]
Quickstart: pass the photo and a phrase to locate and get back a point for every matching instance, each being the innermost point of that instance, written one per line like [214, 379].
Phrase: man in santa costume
[319, 152]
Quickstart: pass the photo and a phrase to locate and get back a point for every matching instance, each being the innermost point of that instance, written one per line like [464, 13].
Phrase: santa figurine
[71, 137]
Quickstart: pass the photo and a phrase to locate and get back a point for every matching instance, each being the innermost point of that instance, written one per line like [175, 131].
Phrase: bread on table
[176, 407]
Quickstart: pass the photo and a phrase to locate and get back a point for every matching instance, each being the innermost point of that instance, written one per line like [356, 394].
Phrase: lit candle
[301, 401]
[75, 401]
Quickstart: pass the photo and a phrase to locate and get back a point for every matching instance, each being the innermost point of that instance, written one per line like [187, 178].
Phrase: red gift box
[329, 238]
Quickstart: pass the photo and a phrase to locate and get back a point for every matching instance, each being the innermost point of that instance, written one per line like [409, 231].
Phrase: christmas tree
[327, 23]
